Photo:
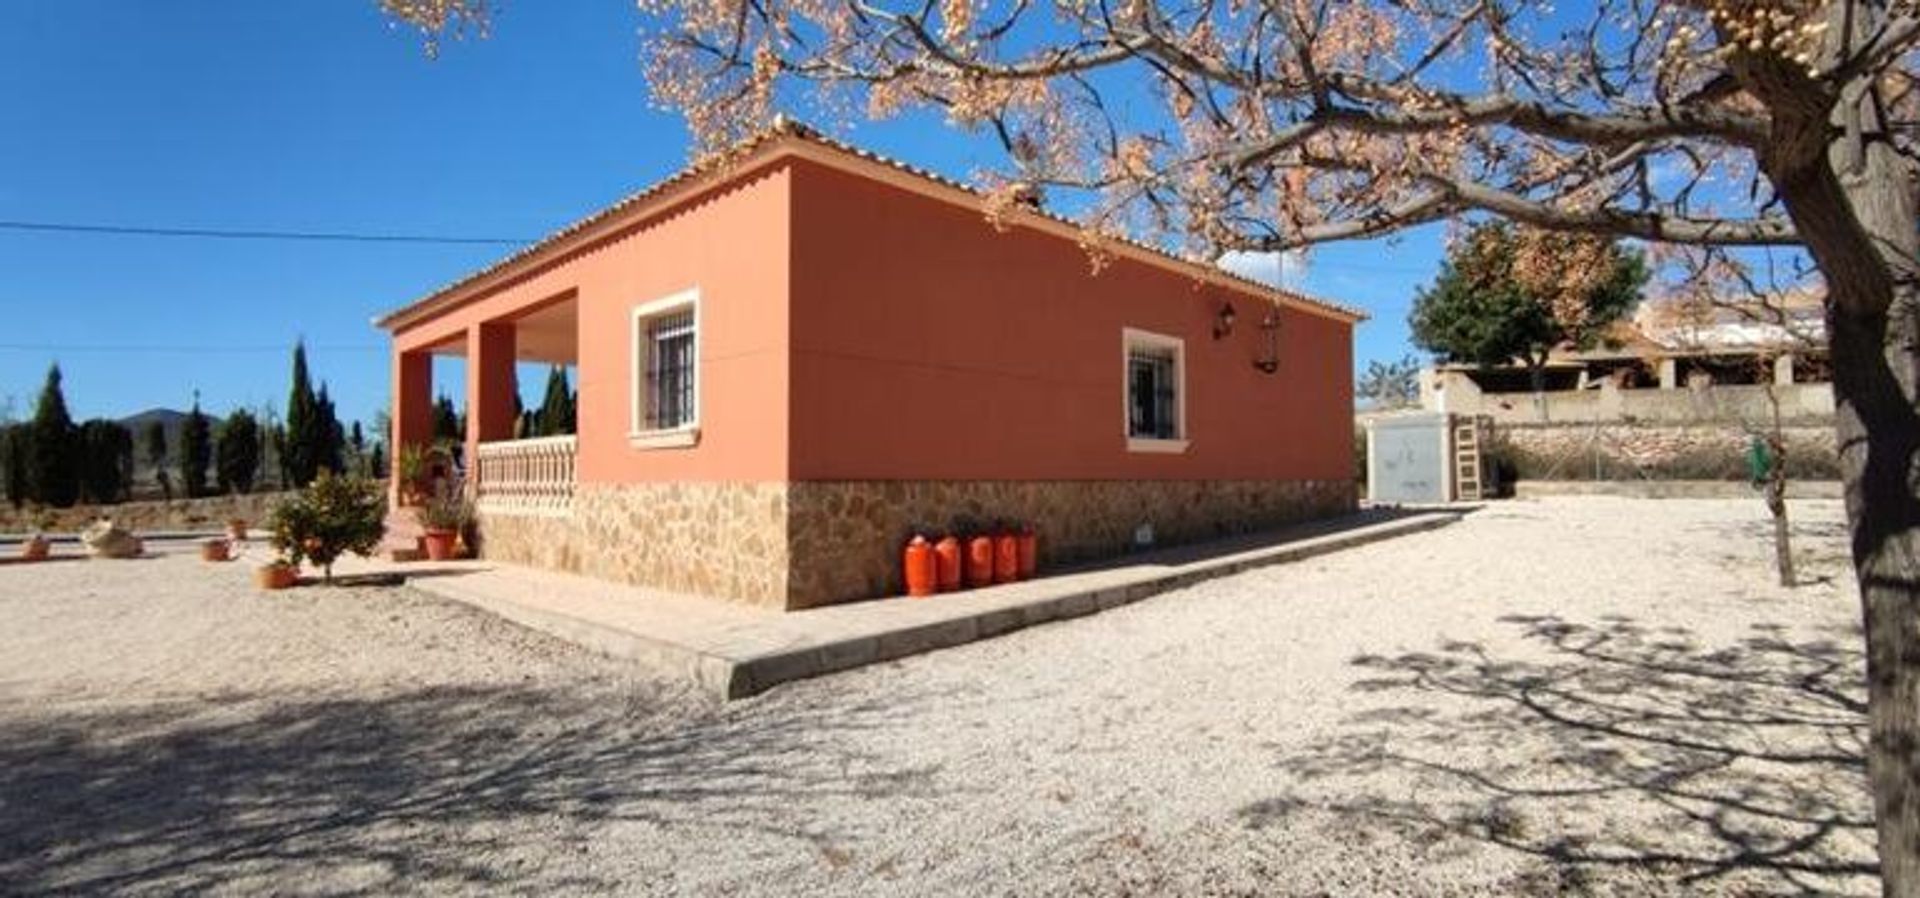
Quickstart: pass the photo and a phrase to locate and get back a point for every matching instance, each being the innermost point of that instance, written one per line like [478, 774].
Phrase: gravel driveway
[1580, 694]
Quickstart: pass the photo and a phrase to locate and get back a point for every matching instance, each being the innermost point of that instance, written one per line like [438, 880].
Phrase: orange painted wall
[732, 245]
[927, 345]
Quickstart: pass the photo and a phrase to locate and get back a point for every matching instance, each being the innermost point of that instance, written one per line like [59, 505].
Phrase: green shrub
[448, 511]
[332, 516]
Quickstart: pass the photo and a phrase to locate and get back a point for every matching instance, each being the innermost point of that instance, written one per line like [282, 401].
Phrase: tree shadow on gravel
[1621, 757]
[445, 789]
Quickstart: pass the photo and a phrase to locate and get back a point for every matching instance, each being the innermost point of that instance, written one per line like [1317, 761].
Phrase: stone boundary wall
[845, 536]
[208, 513]
[1671, 489]
[801, 545]
[1633, 451]
[1700, 403]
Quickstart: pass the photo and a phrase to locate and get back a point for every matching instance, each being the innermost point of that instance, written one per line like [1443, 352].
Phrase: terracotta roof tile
[783, 128]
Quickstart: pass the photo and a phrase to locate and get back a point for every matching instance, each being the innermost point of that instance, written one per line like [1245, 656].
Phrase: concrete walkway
[733, 650]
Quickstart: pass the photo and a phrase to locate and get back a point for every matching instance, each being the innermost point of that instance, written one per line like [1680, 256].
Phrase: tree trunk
[1782, 540]
[1776, 442]
[1854, 204]
[1875, 393]
[1851, 194]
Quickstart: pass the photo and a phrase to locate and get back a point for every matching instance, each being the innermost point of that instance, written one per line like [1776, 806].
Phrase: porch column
[490, 388]
[412, 415]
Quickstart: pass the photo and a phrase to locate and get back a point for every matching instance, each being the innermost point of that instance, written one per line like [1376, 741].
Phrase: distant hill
[170, 419]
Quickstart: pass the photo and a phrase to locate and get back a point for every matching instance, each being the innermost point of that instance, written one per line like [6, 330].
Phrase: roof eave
[783, 142]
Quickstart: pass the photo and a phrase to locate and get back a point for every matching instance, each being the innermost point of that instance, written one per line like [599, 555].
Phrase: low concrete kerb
[755, 674]
[730, 653]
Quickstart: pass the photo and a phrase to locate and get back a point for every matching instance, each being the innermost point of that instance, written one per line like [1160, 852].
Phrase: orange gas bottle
[979, 561]
[918, 562]
[946, 564]
[1029, 552]
[1006, 558]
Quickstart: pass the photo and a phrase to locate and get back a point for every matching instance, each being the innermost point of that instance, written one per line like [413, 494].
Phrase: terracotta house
[787, 361]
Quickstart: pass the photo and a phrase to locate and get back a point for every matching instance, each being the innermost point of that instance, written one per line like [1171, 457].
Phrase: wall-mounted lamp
[1223, 321]
[1271, 325]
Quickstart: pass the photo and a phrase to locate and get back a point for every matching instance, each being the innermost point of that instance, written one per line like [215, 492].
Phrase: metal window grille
[670, 370]
[1152, 412]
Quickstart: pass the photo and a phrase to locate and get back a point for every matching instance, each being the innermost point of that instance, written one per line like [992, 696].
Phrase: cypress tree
[330, 439]
[53, 465]
[556, 409]
[277, 444]
[356, 454]
[106, 452]
[14, 442]
[446, 421]
[156, 440]
[196, 451]
[237, 452]
[304, 436]
[157, 457]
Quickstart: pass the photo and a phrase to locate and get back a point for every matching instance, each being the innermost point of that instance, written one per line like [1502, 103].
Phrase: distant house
[1669, 363]
[789, 360]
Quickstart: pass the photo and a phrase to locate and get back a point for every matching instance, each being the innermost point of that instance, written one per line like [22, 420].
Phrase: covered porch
[503, 463]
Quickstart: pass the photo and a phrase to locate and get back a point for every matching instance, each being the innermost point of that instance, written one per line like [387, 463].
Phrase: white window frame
[1131, 338]
[639, 436]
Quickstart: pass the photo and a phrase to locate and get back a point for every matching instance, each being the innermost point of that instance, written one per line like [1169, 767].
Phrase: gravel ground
[1579, 694]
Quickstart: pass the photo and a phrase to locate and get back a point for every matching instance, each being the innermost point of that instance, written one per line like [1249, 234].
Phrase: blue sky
[322, 117]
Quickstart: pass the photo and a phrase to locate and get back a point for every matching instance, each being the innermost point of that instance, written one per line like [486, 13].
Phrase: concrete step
[732, 651]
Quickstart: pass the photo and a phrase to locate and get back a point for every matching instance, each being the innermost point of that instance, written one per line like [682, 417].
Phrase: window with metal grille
[666, 372]
[671, 369]
[1153, 392]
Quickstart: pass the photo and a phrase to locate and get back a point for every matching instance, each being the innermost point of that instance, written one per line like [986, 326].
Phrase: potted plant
[237, 529]
[37, 546]
[276, 574]
[443, 518]
[410, 469]
[215, 549]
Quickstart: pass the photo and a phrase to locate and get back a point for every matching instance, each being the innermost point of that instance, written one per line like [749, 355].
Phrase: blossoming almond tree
[1220, 125]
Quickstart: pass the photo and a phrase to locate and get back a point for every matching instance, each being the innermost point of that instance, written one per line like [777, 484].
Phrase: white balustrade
[525, 476]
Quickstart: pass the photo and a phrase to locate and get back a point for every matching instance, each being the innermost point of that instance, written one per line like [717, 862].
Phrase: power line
[225, 234]
[181, 347]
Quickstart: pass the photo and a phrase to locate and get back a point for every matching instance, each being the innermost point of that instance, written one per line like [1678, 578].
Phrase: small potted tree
[444, 517]
[276, 574]
[334, 515]
[37, 546]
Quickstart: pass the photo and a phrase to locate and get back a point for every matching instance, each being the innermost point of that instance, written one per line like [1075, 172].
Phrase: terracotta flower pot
[275, 576]
[36, 548]
[215, 550]
[439, 544]
[237, 530]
